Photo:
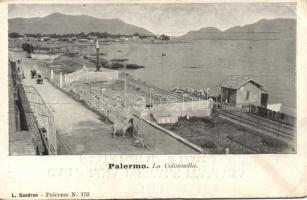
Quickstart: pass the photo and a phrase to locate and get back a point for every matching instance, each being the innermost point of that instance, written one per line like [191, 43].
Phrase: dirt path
[83, 132]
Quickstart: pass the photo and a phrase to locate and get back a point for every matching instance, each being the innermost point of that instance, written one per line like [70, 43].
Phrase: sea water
[203, 64]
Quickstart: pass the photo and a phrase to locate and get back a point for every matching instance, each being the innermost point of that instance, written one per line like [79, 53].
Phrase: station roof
[236, 82]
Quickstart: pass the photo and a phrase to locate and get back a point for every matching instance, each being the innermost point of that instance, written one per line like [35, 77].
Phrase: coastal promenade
[80, 131]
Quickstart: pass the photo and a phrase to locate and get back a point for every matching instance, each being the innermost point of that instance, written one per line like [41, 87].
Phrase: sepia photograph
[147, 99]
[152, 78]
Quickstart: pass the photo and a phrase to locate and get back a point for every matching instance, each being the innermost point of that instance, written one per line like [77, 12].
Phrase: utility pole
[125, 79]
[207, 93]
[97, 56]
[125, 73]
[150, 89]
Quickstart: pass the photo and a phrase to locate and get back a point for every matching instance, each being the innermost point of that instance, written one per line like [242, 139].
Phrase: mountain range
[263, 29]
[63, 24]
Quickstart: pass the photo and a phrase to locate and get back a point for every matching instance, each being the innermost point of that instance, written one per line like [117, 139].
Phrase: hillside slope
[263, 29]
[62, 24]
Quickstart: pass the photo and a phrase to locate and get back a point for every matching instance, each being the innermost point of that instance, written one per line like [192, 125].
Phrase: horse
[121, 126]
[122, 121]
[128, 124]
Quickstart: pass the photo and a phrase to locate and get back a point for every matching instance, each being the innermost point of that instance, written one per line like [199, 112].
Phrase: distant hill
[263, 29]
[64, 24]
[207, 32]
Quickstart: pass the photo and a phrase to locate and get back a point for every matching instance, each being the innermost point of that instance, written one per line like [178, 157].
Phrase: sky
[170, 19]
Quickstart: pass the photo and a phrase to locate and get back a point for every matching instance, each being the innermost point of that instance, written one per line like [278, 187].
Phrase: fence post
[65, 78]
[61, 79]
[85, 70]
[51, 74]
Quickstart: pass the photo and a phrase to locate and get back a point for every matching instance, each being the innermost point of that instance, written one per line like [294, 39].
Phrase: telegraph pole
[125, 72]
[125, 79]
[97, 56]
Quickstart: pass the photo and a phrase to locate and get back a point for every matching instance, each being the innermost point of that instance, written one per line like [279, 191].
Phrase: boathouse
[241, 91]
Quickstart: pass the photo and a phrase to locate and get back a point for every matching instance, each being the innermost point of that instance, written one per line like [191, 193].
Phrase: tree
[15, 35]
[33, 35]
[137, 34]
[27, 47]
[163, 37]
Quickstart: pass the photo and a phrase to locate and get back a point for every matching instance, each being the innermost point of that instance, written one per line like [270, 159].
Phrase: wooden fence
[273, 115]
[262, 112]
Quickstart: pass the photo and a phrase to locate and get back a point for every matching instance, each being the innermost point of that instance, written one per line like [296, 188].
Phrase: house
[44, 39]
[135, 38]
[83, 40]
[92, 37]
[123, 39]
[72, 39]
[240, 91]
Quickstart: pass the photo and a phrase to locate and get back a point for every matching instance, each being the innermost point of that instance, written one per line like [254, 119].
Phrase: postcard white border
[254, 175]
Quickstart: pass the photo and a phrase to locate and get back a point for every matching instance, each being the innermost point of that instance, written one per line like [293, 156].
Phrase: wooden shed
[240, 91]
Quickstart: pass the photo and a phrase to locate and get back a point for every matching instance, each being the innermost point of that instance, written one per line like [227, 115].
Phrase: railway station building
[242, 91]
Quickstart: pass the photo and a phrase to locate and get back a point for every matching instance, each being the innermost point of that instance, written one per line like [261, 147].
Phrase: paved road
[84, 133]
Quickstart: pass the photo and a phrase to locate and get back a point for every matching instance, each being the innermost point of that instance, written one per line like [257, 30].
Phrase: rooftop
[236, 82]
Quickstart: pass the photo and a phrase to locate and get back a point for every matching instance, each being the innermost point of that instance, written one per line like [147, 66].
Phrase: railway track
[286, 135]
[161, 90]
[282, 125]
[273, 129]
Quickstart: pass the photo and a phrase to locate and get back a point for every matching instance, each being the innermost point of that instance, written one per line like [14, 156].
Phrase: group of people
[34, 74]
